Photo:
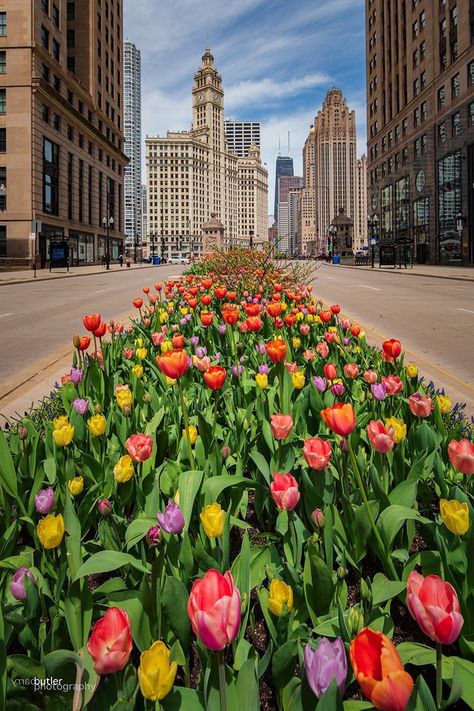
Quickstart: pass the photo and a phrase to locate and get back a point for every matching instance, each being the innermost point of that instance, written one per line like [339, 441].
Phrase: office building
[61, 131]
[241, 136]
[133, 144]
[361, 213]
[284, 166]
[420, 115]
[289, 187]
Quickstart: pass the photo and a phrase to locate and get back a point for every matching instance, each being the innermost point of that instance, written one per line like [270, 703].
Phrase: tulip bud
[153, 536]
[126, 410]
[147, 397]
[104, 507]
[366, 599]
[318, 518]
[111, 323]
[225, 451]
[341, 572]
[98, 409]
[22, 433]
[76, 340]
[355, 621]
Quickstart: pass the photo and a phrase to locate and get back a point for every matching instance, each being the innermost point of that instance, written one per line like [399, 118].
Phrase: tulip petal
[393, 693]
[206, 627]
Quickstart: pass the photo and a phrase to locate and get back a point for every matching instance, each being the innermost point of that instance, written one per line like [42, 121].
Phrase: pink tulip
[202, 364]
[351, 370]
[381, 438]
[284, 491]
[393, 384]
[420, 406]
[435, 606]
[317, 453]
[110, 642]
[370, 376]
[305, 329]
[214, 609]
[139, 447]
[157, 338]
[281, 426]
[461, 455]
[322, 349]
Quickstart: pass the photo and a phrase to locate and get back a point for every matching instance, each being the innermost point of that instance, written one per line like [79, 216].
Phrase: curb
[410, 273]
[32, 280]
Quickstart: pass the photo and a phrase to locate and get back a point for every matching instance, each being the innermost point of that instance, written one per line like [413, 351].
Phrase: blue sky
[277, 59]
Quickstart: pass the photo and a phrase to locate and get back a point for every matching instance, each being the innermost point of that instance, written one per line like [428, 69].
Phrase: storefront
[449, 206]
[81, 248]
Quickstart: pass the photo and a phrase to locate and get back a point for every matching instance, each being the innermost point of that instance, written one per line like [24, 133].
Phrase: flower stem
[388, 561]
[186, 423]
[222, 683]
[439, 675]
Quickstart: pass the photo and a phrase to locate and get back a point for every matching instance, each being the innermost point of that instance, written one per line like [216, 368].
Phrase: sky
[277, 58]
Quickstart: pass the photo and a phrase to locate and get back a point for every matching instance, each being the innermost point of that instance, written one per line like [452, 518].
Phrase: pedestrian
[103, 260]
[121, 259]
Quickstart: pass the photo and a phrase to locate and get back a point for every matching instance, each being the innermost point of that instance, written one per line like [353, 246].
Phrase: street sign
[36, 226]
[32, 236]
[373, 240]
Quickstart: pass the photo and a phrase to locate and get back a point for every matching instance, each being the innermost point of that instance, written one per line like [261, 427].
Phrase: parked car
[179, 260]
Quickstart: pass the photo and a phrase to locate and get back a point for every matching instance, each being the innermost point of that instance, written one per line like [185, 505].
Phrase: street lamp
[107, 224]
[251, 239]
[332, 242]
[152, 238]
[372, 223]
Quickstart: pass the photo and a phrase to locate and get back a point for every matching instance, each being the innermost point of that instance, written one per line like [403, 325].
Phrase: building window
[56, 50]
[470, 73]
[422, 21]
[71, 10]
[56, 83]
[415, 57]
[455, 86]
[50, 177]
[71, 39]
[45, 72]
[442, 29]
[470, 112]
[44, 37]
[456, 123]
[424, 111]
[56, 122]
[3, 140]
[55, 15]
[424, 143]
[3, 189]
[45, 113]
[81, 189]
[45, 6]
[421, 220]
[3, 101]
[422, 80]
[415, 29]
[3, 241]
[3, 62]
[416, 116]
[417, 148]
[3, 24]
[71, 64]
[70, 132]
[441, 97]
[405, 126]
[442, 132]
[453, 15]
[70, 97]
[416, 87]
[422, 50]
[449, 205]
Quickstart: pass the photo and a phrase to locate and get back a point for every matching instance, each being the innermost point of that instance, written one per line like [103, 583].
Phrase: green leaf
[179, 699]
[384, 589]
[73, 540]
[331, 699]
[174, 602]
[105, 561]
[404, 494]
[7, 468]
[247, 687]
[392, 519]
[189, 483]
[215, 485]
[78, 613]
[137, 530]
[318, 584]
[23, 667]
[262, 465]
[284, 662]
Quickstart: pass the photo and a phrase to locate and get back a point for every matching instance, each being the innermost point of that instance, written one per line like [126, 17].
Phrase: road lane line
[10, 313]
[468, 311]
[375, 288]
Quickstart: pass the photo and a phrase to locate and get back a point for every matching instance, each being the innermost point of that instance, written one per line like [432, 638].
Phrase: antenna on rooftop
[288, 143]
[279, 146]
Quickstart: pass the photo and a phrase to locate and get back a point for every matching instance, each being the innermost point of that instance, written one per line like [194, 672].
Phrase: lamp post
[372, 223]
[152, 238]
[251, 238]
[107, 224]
[332, 242]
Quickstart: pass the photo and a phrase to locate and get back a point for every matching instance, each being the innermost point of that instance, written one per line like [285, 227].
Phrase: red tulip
[325, 316]
[252, 309]
[230, 316]
[178, 340]
[435, 606]
[139, 447]
[215, 377]
[110, 642]
[146, 290]
[340, 418]
[207, 283]
[84, 343]
[355, 330]
[290, 320]
[91, 322]
[281, 426]
[461, 455]
[174, 363]
[284, 491]
[138, 303]
[381, 438]
[158, 286]
[330, 371]
[100, 330]
[392, 348]
[214, 609]
[206, 318]
[254, 323]
[420, 406]
[220, 292]
[276, 350]
[335, 308]
[274, 309]
[206, 299]
[317, 453]
[379, 671]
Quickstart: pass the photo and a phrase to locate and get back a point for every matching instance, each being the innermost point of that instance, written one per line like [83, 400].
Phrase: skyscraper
[284, 166]
[420, 116]
[361, 211]
[133, 143]
[61, 142]
[289, 187]
[241, 136]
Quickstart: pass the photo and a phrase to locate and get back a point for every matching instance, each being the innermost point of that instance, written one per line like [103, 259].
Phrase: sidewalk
[422, 270]
[27, 275]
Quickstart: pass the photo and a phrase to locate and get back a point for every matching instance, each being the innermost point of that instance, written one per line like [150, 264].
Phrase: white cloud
[269, 90]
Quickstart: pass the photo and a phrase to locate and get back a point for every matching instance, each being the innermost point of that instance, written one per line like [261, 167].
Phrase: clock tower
[208, 103]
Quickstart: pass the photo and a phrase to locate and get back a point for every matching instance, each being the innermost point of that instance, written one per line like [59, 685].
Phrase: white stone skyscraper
[241, 136]
[133, 144]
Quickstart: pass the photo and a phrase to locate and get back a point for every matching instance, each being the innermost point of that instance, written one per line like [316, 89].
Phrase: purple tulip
[153, 536]
[172, 519]
[338, 389]
[104, 507]
[236, 371]
[378, 390]
[346, 341]
[44, 500]
[324, 664]
[261, 348]
[194, 340]
[17, 585]
[201, 351]
[221, 328]
[263, 369]
[216, 357]
[319, 383]
[76, 375]
[182, 321]
[81, 406]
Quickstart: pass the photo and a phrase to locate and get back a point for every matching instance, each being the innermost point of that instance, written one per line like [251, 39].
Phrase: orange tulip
[84, 343]
[177, 340]
[325, 316]
[379, 671]
[207, 283]
[274, 309]
[252, 309]
[138, 303]
[158, 286]
[340, 418]
[230, 316]
[206, 299]
[146, 290]
[254, 323]
[100, 330]
[215, 377]
[276, 350]
[91, 322]
[220, 292]
[206, 318]
[192, 303]
[174, 363]
[290, 319]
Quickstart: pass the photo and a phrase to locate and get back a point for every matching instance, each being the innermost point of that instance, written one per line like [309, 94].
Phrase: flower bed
[242, 505]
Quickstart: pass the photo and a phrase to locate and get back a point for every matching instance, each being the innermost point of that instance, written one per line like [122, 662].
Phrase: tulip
[84, 343]
[81, 406]
[399, 428]
[263, 369]
[213, 520]
[191, 433]
[435, 606]
[153, 536]
[281, 426]
[214, 609]
[138, 303]
[215, 377]
[17, 585]
[379, 391]
[76, 375]
[172, 520]
[392, 348]
[254, 323]
[322, 349]
[76, 485]
[461, 455]
[91, 322]
[317, 453]
[319, 518]
[206, 318]
[97, 425]
[319, 383]
[137, 370]
[124, 398]
[284, 491]
[104, 507]
[123, 470]
[330, 371]
[279, 595]
[156, 674]
[44, 500]
[276, 350]
[139, 447]
[324, 664]
[262, 380]
[379, 671]
[380, 438]
[455, 516]
[411, 370]
[141, 353]
[340, 418]
[157, 338]
[370, 376]
[174, 363]
[420, 406]
[393, 384]
[50, 531]
[444, 403]
[63, 435]
[100, 330]
[351, 370]
[298, 380]
[110, 642]
[338, 389]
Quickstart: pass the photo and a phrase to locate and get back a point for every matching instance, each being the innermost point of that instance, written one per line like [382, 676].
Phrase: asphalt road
[433, 318]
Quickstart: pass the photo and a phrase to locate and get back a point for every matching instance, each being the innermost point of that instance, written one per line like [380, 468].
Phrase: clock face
[200, 96]
[217, 98]
[374, 202]
[420, 180]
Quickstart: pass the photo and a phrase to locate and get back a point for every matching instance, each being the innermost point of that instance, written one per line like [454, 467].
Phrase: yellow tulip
[137, 370]
[156, 674]
[163, 317]
[317, 319]
[76, 485]
[299, 316]
[124, 398]
[63, 435]
[96, 425]
[444, 403]
[262, 380]
[284, 305]
[333, 329]
[166, 346]
[298, 380]
[139, 342]
[455, 516]
[123, 470]
[213, 519]
[183, 311]
[59, 422]
[411, 369]
[279, 595]
[310, 318]
[192, 432]
[399, 428]
[141, 353]
[50, 531]
[296, 342]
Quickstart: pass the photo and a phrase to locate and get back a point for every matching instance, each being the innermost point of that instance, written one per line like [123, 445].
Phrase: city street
[433, 317]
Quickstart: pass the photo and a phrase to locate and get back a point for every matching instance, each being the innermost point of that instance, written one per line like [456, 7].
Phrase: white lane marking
[8, 314]
[328, 277]
[375, 288]
[99, 291]
[468, 311]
